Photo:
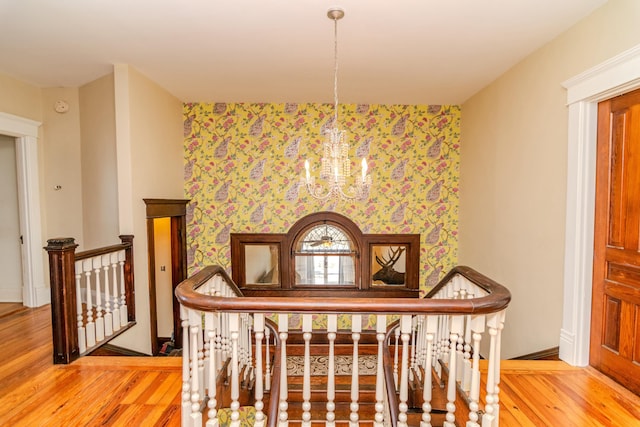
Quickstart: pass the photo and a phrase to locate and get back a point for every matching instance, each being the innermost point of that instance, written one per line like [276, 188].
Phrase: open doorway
[24, 132]
[10, 251]
[167, 247]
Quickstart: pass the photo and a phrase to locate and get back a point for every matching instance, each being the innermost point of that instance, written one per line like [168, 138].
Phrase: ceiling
[390, 52]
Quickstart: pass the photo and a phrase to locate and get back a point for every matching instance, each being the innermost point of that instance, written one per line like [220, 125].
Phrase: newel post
[63, 299]
[128, 277]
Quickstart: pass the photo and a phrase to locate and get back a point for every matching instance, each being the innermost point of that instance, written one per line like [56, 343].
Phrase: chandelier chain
[335, 71]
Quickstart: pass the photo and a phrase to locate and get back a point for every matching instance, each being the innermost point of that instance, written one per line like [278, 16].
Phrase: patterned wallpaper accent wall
[244, 164]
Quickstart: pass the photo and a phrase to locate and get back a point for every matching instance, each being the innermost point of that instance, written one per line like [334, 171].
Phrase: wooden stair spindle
[381, 329]
[455, 331]
[113, 261]
[108, 317]
[234, 331]
[89, 325]
[356, 329]
[124, 313]
[430, 330]
[82, 337]
[405, 336]
[283, 327]
[332, 329]
[477, 328]
[306, 381]
[258, 326]
[210, 324]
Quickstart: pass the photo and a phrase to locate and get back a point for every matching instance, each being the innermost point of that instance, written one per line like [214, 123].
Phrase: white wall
[513, 173]
[164, 288]
[62, 165]
[150, 165]
[98, 159]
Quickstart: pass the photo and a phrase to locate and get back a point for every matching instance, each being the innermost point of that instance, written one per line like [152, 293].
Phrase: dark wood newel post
[63, 299]
[128, 277]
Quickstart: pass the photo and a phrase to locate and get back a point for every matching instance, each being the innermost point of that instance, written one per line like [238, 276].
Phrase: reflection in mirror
[261, 264]
[324, 255]
[388, 264]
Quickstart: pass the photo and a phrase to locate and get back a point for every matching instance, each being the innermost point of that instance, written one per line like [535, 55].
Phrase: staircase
[343, 353]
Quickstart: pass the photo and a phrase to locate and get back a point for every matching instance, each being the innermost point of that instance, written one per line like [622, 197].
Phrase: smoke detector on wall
[61, 106]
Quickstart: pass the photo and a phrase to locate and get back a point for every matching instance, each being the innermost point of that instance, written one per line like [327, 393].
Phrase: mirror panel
[261, 264]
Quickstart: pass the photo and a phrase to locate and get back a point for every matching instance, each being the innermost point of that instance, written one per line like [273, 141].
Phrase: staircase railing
[92, 296]
[438, 342]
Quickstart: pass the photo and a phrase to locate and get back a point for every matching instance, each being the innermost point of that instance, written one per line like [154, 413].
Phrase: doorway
[10, 250]
[35, 291]
[167, 253]
[615, 310]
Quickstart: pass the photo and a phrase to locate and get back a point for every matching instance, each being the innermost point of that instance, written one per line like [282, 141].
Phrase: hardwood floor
[145, 391]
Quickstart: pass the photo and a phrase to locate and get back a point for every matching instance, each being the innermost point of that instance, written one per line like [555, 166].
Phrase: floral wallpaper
[244, 164]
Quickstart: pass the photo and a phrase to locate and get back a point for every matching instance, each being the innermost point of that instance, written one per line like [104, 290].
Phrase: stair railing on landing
[439, 341]
[91, 296]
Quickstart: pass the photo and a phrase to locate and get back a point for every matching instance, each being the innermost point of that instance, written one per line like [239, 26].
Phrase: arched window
[325, 255]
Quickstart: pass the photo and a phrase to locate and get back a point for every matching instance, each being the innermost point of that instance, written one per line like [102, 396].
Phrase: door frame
[35, 291]
[613, 77]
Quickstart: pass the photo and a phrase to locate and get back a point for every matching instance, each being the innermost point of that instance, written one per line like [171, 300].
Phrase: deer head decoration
[387, 274]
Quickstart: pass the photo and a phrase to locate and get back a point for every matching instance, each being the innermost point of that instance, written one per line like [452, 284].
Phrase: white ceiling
[390, 52]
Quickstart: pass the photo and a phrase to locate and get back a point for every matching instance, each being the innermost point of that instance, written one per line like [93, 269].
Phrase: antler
[395, 256]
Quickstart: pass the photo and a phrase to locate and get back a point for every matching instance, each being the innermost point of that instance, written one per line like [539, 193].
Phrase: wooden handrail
[498, 299]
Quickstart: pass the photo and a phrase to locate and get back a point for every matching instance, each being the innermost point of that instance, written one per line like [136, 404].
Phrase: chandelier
[335, 166]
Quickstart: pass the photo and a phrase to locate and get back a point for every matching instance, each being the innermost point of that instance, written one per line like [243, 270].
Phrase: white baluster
[108, 317]
[403, 407]
[82, 339]
[201, 374]
[455, 331]
[395, 359]
[113, 260]
[267, 352]
[496, 393]
[477, 326]
[212, 371]
[414, 344]
[90, 326]
[234, 325]
[381, 328]
[186, 377]
[306, 376]
[431, 329]
[258, 325]
[420, 344]
[356, 329]
[332, 329]
[194, 331]
[124, 313]
[283, 327]
[489, 417]
[97, 268]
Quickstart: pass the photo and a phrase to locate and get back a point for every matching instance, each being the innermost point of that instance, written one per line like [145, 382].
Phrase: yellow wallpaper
[244, 163]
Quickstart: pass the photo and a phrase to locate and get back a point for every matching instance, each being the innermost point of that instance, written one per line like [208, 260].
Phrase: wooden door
[615, 318]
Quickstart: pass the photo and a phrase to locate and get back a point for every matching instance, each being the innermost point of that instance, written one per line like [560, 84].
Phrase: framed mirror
[257, 259]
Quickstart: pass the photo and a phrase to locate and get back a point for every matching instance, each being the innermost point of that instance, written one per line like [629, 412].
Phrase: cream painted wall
[150, 136]
[10, 256]
[62, 165]
[98, 159]
[513, 173]
[20, 99]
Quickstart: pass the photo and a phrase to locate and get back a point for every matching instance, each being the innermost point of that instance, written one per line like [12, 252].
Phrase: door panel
[615, 328]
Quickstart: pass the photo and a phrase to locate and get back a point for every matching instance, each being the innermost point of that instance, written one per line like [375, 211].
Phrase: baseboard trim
[548, 354]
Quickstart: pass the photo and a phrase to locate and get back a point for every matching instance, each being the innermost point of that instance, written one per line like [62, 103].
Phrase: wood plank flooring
[145, 391]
